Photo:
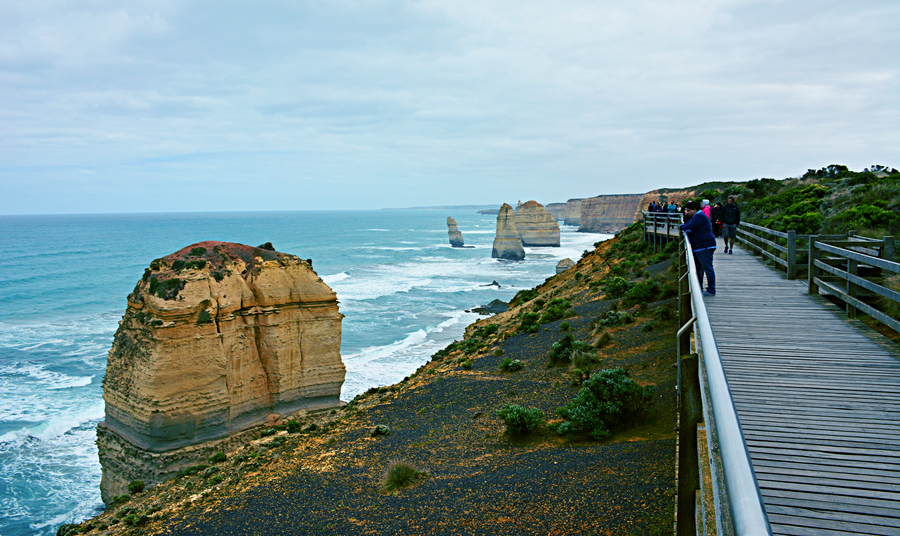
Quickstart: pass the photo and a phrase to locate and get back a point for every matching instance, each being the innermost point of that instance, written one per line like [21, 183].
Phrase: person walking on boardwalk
[699, 232]
[731, 217]
[716, 220]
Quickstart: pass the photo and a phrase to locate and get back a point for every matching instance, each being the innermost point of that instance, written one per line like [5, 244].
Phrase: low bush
[520, 420]
[400, 475]
[523, 296]
[204, 317]
[380, 430]
[135, 486]
[606, 401]
[498, 352]
[218, 457]
[604, 340]
[556, 310]
[565, 326]
[563, 349]
[616, 287]
[529, 323]
[511, 365]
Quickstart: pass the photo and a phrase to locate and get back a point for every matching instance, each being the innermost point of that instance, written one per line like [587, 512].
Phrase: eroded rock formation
[216, 337]
[507, 244]
[609, 213]
[564, 265]
[573, 212]
[537, 228]
[456, 237]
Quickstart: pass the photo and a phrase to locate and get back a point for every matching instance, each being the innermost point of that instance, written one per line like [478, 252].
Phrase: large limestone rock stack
[536, 226]
[507, 244]
[216, 338]
[456, 237]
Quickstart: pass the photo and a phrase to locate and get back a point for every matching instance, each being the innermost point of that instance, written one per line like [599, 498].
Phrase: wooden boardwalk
[818, 398]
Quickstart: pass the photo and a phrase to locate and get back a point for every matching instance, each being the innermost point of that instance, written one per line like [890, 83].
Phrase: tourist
[672, 208]
[716, 220]
[704, 206]
[731, 217]
[699, 232]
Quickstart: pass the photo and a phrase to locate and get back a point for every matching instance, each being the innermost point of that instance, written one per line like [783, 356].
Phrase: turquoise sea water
[64, 280]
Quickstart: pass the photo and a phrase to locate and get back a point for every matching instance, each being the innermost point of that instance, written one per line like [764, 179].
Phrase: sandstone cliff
[456, 237]
[609, 213]
[216, 337]
[557, 210]
[564, 265]
[573, 212]
[667, 195]
[507, 244]
[537, 228]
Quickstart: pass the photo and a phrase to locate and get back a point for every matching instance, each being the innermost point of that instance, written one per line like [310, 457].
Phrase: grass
[399, 475]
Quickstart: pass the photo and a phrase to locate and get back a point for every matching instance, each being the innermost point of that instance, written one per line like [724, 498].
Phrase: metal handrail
[744, 498]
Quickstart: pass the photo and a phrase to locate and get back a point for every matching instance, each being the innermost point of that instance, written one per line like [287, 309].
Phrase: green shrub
[119, 499]
[497, 352]
[197, 252]
[523, 296]
[616, 287]
[648, 326]
[167, 289]
[204, 317]
[380, 430]
[604, 340]
[529, 323]
[565, 326]
[216, 480]
[511, 365]
[218, 457]
[486, 331]
[467, 364]
[607, 400]
[563, 349]
[268, 432]
[400, 475]
[520, 420]
[294, 427]
[135, 486]
[862, 217]
[584, 360]
[643, 293]
[556, 310]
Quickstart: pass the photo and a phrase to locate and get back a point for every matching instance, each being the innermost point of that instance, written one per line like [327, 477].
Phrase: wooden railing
[857, 267]
[766, 242]
[661, 227]
[711, 445]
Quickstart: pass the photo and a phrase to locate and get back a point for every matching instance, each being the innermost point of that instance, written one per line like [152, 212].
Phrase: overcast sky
[158, 106]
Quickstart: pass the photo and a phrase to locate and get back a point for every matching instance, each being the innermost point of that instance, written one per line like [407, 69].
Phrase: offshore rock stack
[456, 237]
[217, 338]
[507, 244]
[536, 226]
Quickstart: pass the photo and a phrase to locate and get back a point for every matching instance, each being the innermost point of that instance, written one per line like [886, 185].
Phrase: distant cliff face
[573, 212]
[557, 210]
[216, 337]
[456, 237]
[507, 244]
[667, 195]
[536, 226]
[609, 213]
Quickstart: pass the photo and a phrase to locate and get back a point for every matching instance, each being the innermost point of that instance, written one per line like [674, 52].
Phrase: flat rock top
[218, 254]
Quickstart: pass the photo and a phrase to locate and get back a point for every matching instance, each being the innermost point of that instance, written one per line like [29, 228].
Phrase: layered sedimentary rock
[216, 337]
[557, 210]
[564, 265]
[573, 212]
[507, 244]
[609, 213]
[456, 237]
[537, 228]
[666, 195]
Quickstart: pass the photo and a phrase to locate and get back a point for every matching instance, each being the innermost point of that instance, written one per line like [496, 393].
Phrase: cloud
[367, 104]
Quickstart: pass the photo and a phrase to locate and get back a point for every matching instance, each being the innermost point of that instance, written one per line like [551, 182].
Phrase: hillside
[323, 473]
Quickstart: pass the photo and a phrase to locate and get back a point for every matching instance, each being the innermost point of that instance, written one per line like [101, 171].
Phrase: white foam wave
[58, 424]
[334, 278]
[47, 378]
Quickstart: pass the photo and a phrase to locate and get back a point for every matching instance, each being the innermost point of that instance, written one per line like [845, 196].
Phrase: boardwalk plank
[818, 397]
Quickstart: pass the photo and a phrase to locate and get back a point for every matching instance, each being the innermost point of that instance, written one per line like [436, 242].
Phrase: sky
[171, 106]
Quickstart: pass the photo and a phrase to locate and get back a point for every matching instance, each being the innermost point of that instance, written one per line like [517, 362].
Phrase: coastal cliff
[537, 228]
[609, 213]
[215, 338]
[573, 212]
[557, 210]
[507, 243]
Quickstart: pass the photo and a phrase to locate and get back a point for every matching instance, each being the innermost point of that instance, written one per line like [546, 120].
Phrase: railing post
[852, 267]
[690, 413]
[887, 252]
[792, 255]
[813, 255]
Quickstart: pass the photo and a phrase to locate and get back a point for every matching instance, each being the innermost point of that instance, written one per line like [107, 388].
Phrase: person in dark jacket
[731, 217]
[699, 233]
[716, 220]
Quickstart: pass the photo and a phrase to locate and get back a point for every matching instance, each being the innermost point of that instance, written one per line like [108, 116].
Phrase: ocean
[63, 285]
